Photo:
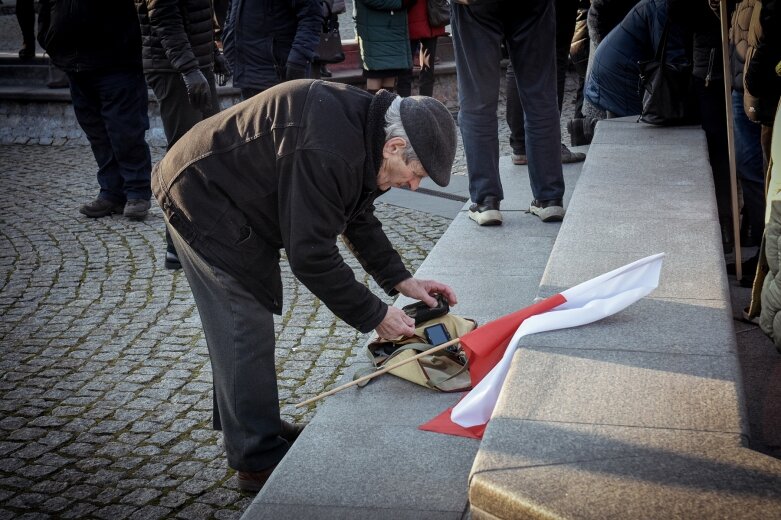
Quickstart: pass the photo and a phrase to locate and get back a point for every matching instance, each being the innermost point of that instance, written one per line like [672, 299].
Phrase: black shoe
[136, 209]
[749, 270]
[172, 261]
[548, 210]
[101, 208]
[486, 213]
[291, 431]
[324, 72]
[568, 156]
[27, 52]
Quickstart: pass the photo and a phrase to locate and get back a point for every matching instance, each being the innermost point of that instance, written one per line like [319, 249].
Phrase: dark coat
[613, 83]
[177, 35]
[762, 79]
[383, 38]
[261, 36]
[85, 35]
[294, 167]
[605, 15]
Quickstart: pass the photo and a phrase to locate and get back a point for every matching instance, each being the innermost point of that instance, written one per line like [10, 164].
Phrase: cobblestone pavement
[105, 393]
[105, 385]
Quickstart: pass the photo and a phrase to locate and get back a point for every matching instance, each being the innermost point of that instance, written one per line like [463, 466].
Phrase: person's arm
[315, 192]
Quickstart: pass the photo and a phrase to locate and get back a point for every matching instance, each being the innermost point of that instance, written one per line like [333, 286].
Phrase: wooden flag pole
[730, 136]
[378, 372]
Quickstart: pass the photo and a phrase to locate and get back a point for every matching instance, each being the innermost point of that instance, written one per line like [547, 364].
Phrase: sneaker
[486, 213]
[520, 159]
[548, 210]
[101, 208]
[136, 209]
[568, 156]
[172, 261]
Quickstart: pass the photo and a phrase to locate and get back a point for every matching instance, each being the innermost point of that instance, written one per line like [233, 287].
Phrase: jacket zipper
[710, 67]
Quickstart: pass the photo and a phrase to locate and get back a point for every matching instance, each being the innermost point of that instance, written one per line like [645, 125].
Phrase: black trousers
[566, 13]
[428, 54]
[177, 113]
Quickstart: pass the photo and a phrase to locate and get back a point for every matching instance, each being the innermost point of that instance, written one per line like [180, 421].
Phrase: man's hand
[395, 323]
[424, 289]
[198, 91]
[221, 69]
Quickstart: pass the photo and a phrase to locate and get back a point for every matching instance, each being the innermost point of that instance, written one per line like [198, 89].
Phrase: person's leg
[428, 54]
[124, 108]
[531, 46]
[87, 105]
[477, 36]
[515, 119]
[748, 159]
[176, 112]
[404, 83]
[566, 12]
[239, 334]
[712, 110]
[25, 15]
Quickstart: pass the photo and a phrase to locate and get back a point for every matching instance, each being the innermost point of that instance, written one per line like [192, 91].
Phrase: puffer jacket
[383, 37]
[262, 36]
[294, 167]
[613, 81]
[177, 35]
[738, 38]
[605, 15]
[87, 35]
[762, 86]
[770, 316]
[417, 19]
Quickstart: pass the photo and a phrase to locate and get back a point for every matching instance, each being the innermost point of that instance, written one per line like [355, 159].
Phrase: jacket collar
[375, 137]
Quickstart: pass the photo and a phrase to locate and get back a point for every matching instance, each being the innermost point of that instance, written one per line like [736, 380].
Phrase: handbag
[445, 370]
[438, 12]
[666, 88]
[329, 50]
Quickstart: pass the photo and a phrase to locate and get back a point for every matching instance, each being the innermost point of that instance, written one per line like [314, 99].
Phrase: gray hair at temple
[395, 128]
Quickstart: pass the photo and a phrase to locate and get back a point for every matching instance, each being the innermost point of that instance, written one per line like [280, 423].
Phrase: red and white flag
[490, 348]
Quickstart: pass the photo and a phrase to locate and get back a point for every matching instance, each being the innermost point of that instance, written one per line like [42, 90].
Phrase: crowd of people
[301, 161]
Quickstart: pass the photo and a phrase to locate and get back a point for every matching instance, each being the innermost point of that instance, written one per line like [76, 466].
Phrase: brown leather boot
[253, 481]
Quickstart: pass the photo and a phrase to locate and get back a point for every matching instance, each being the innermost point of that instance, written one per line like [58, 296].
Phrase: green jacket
[383, 38]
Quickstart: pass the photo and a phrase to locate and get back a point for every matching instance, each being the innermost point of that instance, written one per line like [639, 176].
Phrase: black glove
[221, 69]
[198, 91]
[293, 71]
[406, 4]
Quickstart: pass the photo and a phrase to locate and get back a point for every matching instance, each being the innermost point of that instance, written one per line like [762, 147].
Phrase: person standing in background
[268, 42]
[423, 40]
[180, 58]
[383, 39]
[98, 44]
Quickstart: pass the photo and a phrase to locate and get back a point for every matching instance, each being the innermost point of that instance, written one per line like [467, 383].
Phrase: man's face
[394, 172]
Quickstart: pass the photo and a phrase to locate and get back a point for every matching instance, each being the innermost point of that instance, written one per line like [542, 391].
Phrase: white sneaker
[486, 213]
[548, 210]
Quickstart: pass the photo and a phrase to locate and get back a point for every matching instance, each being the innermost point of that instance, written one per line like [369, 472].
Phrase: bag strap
[663, 42]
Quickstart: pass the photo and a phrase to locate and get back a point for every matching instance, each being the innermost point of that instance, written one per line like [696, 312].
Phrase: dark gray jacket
[292, 168]
[177, 35]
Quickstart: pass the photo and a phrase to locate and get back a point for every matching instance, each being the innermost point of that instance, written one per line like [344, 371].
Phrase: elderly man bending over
[293, 167]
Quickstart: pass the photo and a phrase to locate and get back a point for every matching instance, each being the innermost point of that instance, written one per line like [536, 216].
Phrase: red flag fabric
[484, 347]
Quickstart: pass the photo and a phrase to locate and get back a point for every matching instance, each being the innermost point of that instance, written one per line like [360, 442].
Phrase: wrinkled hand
[221, 69]
[395, 323]
[424, 290]
[294, 71]
[198, 91]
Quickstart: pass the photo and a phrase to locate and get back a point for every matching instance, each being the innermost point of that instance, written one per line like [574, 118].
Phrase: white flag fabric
[585, 303]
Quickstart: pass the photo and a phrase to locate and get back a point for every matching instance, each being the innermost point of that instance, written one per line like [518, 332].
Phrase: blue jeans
[529, 28]
[111, 108]
[748, 162]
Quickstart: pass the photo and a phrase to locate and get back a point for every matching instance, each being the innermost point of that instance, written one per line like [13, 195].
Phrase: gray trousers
[240, 337]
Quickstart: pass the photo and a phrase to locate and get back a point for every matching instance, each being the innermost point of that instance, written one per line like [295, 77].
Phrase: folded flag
[490, 348]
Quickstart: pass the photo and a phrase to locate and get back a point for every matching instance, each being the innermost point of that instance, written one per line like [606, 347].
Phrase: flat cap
[432, 134]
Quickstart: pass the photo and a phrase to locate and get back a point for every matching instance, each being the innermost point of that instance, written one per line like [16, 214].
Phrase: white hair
[395, 128]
